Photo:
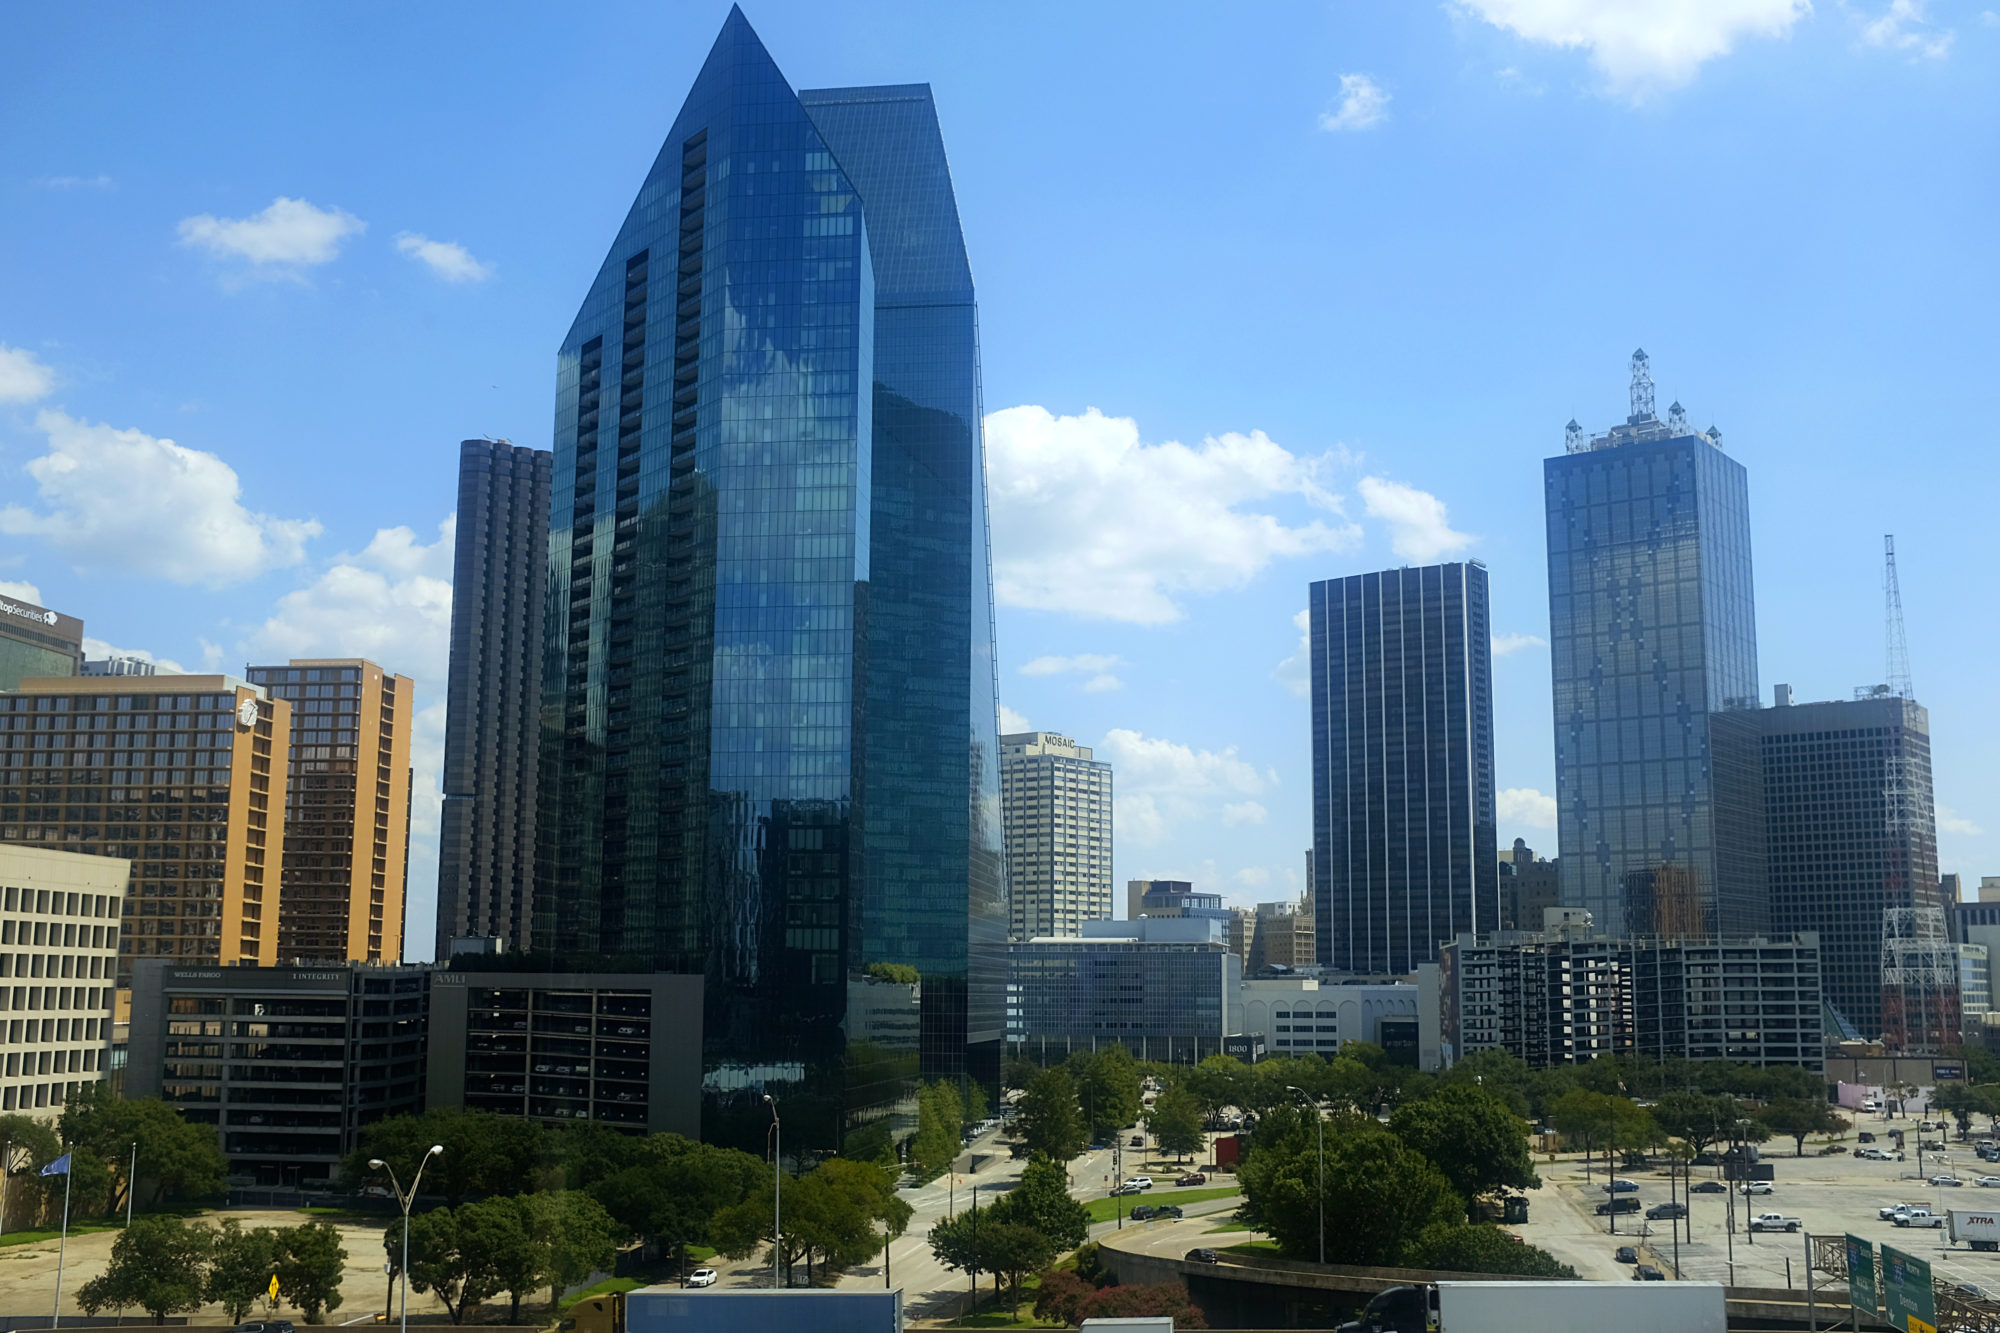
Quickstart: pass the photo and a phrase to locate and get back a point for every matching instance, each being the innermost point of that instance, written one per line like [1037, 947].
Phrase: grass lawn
[55, 1233]
[1104, 1210]
[604, 1288]
[1022, 1318]
[699, 1254]
[1230, 1226]
[1256, 1247]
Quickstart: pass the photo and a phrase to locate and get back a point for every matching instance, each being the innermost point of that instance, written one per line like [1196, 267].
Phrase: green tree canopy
[450, 1256]
[484, 1153]
[940, 1129]
[159, 1264]
[1042, 1200]
[832, 1215]
[177, 1156]
[309, 1260]
[574, 1235]
[1176, 1121]
[1472, 1136]
[675, 1190]
[1464, 1247]
[1697, 1118]
[241, 1268]
[31, 1144]
[1370, 1174]
[1107, 1088]
[1047, 1119]
[1797, 1117]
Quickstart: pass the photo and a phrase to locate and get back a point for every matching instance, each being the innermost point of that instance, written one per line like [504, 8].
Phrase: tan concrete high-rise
[1056, 801]
[347, 808]
[177, 775]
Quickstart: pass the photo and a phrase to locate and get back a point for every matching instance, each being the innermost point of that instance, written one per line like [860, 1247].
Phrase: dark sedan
[1626, 1255]
[1708, 1187]
[1666, 1211]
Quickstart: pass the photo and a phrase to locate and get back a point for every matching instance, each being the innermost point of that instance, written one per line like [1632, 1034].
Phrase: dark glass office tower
[769, 741]
[1852, 833]
[493, 693]
[1403, 820]
[1652, 629]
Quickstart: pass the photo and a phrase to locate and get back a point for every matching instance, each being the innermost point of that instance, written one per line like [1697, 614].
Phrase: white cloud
[21, 592]
[124, 500]
[1095, 665]
[1526, 806]
[97, 650]
[1160, 785]
[23, 379]
[98, 182]
[288, 235]
[1363, 105]
[1089, 519]
[1950, 821]
[391, 604]
[448, 259]
[1244, 812]
[1295, 672]
[1418, 528]
[1903, 27]
[1642, 46]
[1990, 18]
[1251, 877]
[1507, 644]
[1011, 722]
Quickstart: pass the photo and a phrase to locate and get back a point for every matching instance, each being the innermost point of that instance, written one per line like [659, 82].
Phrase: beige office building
[174, 774]
[59, 916]
[347, 809]
[1056, 801]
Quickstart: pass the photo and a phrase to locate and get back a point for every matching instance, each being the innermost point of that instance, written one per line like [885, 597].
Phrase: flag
[59, 1167]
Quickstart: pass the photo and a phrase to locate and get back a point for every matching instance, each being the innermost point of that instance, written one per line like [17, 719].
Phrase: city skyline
[1165, 663]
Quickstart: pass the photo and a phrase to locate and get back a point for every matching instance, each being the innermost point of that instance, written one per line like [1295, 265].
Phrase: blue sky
[1267, 294]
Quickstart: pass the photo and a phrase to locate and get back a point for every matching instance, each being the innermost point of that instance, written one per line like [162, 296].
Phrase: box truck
[1544, 1307]
[1980, 1230]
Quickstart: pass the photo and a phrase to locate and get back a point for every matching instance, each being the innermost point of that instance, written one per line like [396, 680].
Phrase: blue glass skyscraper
[1403, 802]
[769, 740]
[1652, 630]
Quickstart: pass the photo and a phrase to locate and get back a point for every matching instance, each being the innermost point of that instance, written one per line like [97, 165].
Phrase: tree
[574, 1233]
[676, 1189]
[241, 1268]
[955, 1244]
[452, 1255]
[1799, 1117]
[1465, 1247]
[1388, 1192]
[1047, 1119]
[484, 1153]
[1107, 1088]
[1471, 1136]
[1012, 1250]
[157, 1264]
[1018, 1073]
[1694, 1117]
[1042, 1201]
[830, 1214]
[1059, 1295]
[309, 1262]
[939, 1129]
[179, 1156]
[1220, 1081]
[32, 1143]
[1176, 1121]
[1960, 1102]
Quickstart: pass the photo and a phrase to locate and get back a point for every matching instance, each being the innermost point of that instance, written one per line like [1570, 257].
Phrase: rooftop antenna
[1892, 612]
[1642, 388]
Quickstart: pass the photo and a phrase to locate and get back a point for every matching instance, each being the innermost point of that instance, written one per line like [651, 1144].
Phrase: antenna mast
[1892, 611]
[1642, 389]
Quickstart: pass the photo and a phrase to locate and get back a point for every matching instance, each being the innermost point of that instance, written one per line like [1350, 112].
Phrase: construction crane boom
[1892, 612]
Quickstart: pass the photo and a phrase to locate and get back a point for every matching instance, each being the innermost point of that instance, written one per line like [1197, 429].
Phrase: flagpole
[62, 1249]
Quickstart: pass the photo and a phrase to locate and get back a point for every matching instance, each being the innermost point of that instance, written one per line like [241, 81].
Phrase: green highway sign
[1906, 1291]
[1861, 1274]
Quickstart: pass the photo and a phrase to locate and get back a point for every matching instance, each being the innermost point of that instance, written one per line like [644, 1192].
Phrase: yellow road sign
[274, 1286]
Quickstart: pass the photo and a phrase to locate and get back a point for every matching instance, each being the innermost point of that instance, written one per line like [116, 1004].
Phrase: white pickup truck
[1774, 1222]
[1916, 1217]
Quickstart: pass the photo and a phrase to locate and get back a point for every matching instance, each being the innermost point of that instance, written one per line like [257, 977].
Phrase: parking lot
[1829, 1195]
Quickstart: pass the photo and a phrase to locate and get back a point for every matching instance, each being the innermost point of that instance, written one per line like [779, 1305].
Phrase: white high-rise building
[59, 920]
[1057, 805]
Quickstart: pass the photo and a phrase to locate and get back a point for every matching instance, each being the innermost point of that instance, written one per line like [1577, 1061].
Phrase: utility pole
[131, 1185]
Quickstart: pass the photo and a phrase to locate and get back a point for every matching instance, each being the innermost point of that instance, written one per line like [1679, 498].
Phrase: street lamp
[777, 1188]
[1320, 1121]
[406, 1199]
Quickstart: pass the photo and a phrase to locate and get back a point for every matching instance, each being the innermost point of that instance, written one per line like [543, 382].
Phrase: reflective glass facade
[769, 747]
[1652, 628]
[1403, 818]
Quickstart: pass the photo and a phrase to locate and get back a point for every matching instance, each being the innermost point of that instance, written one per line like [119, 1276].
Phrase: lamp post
[1320, 1121]
[777, 1189]
[406, 1199]
[131, 1185]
